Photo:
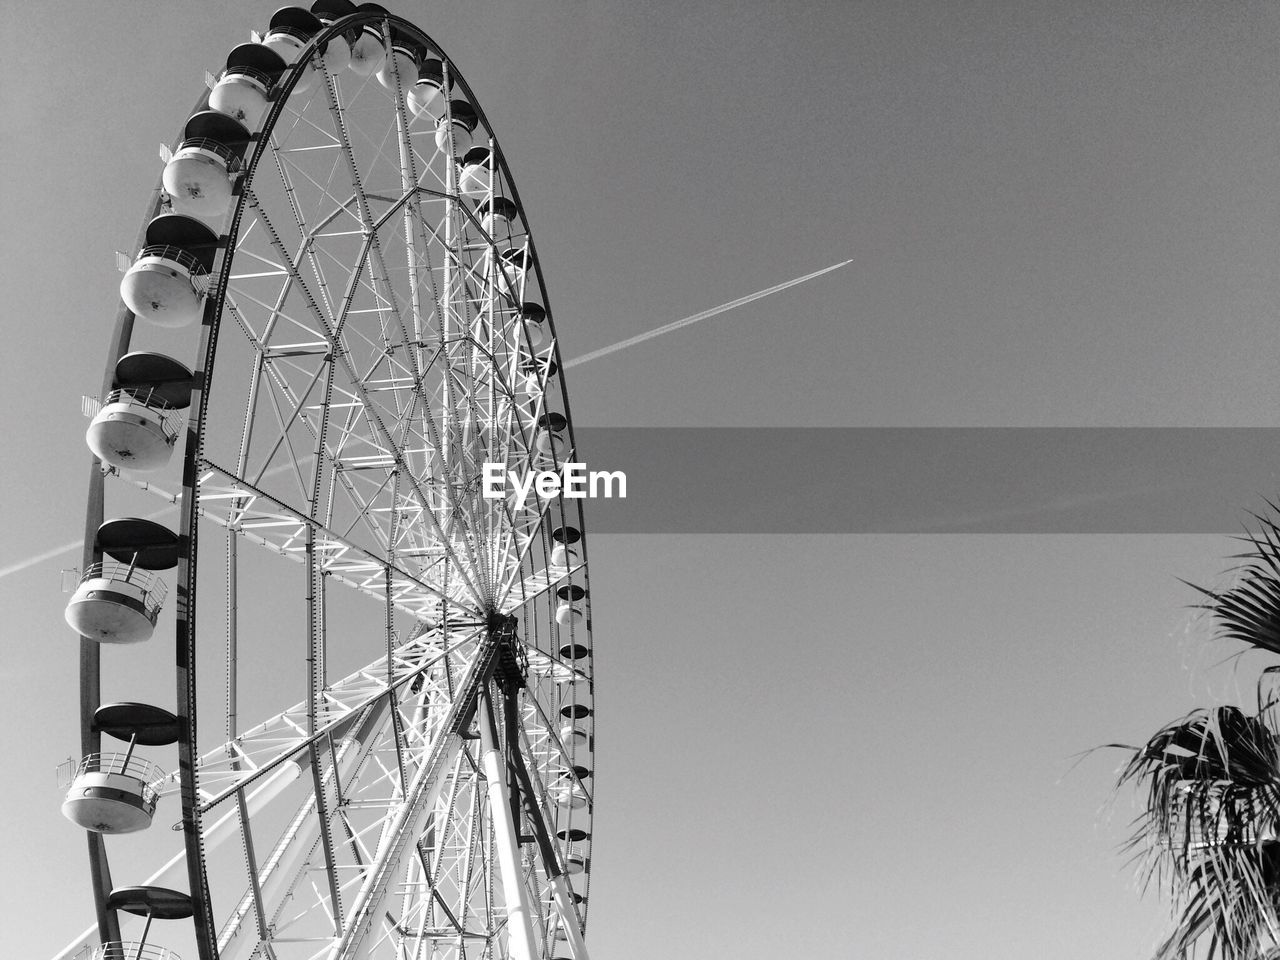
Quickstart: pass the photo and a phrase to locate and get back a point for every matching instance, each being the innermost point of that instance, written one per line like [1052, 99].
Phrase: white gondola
[426, 96]
[566, 553]
[461, 122]
[241, 91]
[516, 259]
[137, 424]
[116, 603]
[133, 430]
[532, 316]
[514, 264]
[367, 52]
[550, 444]
[337, 52]
[475, 174]
[575, 864]
[551, 438]
[568, 614]
[119, 599]
[165, 285]
[574, 736]
[241, 94]
[112, 793]
[198, 177]
[497, 215]
[566, 796]
[288, 34]
[400, 70]
[569, 611]
[289, 42]
[534, 371]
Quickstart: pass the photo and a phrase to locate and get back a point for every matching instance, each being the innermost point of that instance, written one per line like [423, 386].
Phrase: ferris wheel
[382, 730]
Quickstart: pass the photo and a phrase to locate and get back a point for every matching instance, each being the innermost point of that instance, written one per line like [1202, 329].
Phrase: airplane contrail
[593, 355]
[40, 558]
[78, 544]
[65, 548]
[677, 324]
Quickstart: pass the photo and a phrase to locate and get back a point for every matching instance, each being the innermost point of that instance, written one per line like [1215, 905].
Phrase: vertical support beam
[399, 841]
[279, 874]
[515, 893]
[407, 824]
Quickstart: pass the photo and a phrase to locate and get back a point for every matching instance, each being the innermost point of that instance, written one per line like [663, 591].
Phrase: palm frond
[1210, 833]
[1250, 610]
[1232, 901]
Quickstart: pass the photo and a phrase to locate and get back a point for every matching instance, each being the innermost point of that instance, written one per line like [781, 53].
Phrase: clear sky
[1059, 213]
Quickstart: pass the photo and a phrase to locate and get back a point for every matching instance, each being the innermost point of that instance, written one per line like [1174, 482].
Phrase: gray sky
[1059, 213]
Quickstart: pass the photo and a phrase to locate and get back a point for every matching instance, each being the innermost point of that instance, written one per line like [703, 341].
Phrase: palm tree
[1210, 833]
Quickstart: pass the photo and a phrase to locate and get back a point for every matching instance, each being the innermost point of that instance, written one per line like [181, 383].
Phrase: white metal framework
[384, 679]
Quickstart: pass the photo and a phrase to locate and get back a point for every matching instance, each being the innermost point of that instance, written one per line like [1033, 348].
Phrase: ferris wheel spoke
[380, 273]
[283, 882]
[281, 533]
[235, 766]
[382, 433]
[365, 785]
[284, 421]
[536, 585]
[398, 839]
[233, 502]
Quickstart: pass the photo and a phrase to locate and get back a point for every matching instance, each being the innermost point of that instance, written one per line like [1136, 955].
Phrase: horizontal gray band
[931, 479]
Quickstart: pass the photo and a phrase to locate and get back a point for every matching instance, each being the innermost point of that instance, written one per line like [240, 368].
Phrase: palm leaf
[1250, 610]
[1210, 833]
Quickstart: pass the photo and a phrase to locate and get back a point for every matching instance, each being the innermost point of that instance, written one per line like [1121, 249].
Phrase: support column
[516, 894]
